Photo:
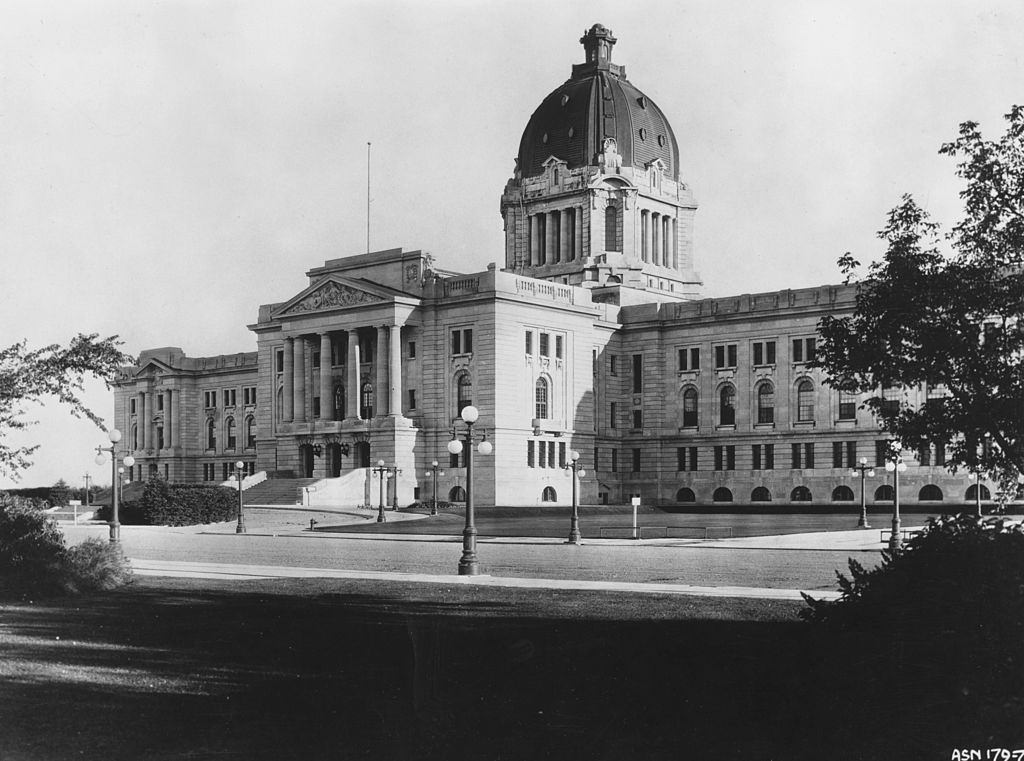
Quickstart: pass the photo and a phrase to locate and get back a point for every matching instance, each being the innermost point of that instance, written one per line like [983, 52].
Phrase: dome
[597, 102]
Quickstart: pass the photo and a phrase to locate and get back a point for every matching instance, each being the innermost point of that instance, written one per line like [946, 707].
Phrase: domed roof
[595, 103]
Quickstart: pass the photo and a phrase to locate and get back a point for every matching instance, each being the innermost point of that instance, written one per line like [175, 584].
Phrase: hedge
[164, 504]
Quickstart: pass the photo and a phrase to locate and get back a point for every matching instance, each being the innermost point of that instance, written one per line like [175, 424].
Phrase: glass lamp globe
[485, 447]
[581, 473]
[433, 464]
[574, 456]
[470, 414]
[101, 460]
[871, 474]
[890, 466]
[239, 464]
[902, 467]
[455, 446]
[114, 435]
[129, 461]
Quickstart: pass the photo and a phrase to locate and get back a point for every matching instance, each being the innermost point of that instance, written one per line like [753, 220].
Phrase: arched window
[727, 406]
[930, 493]
[211, 434]
[686, 495]
[464, 393]
[549, 494]
[250, 432]
[884, 493]
[611, 229]
[690, 407]
[842, 494]
[972, 493]
[457, 494]
[541, 399]
[721, 495]
[339, 402]
[805, 401]
[367, 400]
[229, 430]
[760, 494]
[765, 403]
[800, 494]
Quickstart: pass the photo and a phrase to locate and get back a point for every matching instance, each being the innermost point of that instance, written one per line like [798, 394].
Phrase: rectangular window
[636, 460]
[682, 363]
[689, 359]
[755, 456]
[159, 402]
[730, 457]
[837, 454]
[881, 447]
[638, 373]
[542, 454]
[808, 455]
[412, 398]
[638, 419]
[725, 356]
[611, 415]
[529, 342]
[529, 453]
[453, 461]
[615, 460]
[769, 457]
[561, 454]
[940, 453]
[316, 359]
[764, 352]
[596, 461]
[131, 406]
[695, 359]
[558, 347]
[680, 458]
[847, 405]
[811, 349]
[612, 365]
[551, 454]
[796, 456]
[227, 472]
[279, 360]
[412, 349]
[718, 457]
[805, 349]
[456, 342]
[316, 406]
[249, 395]
[209, 399]
[693, 458]
[851, 453]
[545, 345]
[229, 397]
[924, 455]
[462, 341]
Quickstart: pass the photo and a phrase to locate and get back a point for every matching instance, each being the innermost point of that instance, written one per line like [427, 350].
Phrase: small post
[636, 504]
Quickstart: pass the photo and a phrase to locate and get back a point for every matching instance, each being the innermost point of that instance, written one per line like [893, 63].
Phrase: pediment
[330, 294]
[153, 369]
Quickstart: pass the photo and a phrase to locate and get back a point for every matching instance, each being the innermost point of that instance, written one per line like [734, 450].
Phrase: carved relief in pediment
[331, 296]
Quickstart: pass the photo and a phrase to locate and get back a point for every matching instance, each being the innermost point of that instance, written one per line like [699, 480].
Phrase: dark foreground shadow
[344, 671]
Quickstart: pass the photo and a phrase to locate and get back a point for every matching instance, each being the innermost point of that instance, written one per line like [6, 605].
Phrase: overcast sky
[167, 167]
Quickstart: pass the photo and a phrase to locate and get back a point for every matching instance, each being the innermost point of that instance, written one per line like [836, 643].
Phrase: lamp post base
[468, 566]
[863, 523]
[115, 533]
[895, 540]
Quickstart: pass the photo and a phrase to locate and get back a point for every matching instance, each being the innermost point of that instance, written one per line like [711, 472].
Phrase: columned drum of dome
[596, 199]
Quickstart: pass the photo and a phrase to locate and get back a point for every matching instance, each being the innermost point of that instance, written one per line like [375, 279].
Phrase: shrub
[31, 545]
[940, 625]
[425, 505]
[163, 504]
[94, 565]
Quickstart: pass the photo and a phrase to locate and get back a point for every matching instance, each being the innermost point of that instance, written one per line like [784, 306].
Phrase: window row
[230, 433]
[544, 344]
[764, 393]
[228, 395]
[542, 454]
[213, 471]
[726, 356]
[841, 493]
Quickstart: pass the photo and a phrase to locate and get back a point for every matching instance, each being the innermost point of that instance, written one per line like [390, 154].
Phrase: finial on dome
[598, 42]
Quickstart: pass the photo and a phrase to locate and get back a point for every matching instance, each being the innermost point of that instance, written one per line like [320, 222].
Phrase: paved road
[713, 564]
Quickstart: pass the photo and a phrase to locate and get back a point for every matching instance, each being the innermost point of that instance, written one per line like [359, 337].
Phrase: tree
[60, 493]
[50, 372]
[947, 317]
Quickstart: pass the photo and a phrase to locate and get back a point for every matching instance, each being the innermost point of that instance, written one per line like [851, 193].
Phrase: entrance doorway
[333, 460]
[362, 454]
[306, 460]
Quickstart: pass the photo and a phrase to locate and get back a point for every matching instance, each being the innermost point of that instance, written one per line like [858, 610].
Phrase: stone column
[564, 239]
[380, 398]
[147, 416]
[550, 242]
[326, 387]
[666, 240]
[289, 380]
[643, 234]
[176, 418]
[534, 257]
[577, 226]
[139, 402]
[655, 238]
[395, 372]
[675, 244]
[299, 379]
[352, 393]
[168, 423]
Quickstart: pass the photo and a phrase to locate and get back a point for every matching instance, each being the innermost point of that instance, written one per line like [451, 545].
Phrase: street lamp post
[470, 414]
[87, 478]
[895, 465]
[576, 470]
[434, 472]
[865, 471]
[115, 524]
[381, 470]
[394, 472]
[240, 474]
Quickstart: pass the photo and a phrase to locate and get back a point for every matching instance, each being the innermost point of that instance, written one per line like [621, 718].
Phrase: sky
[166, 166]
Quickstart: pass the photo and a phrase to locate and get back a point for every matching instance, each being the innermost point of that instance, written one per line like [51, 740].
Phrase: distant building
[592, 338]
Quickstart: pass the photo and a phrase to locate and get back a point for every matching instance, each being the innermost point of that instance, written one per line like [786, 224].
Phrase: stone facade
[592, 338]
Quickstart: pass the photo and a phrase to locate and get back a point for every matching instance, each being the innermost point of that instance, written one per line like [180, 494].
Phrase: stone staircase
[277, 491]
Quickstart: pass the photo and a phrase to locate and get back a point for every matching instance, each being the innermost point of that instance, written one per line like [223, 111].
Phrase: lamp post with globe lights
[895, 465]
[865, 470]
[115, 436]
[240, 474]
[381, 470]
[577, 472]
[470, 414]
[434, 472]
